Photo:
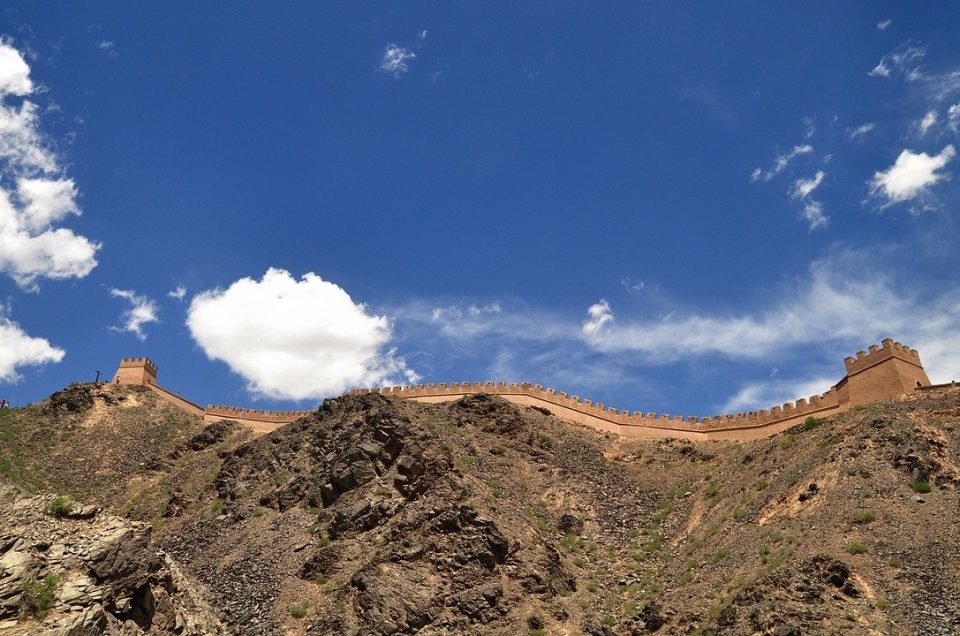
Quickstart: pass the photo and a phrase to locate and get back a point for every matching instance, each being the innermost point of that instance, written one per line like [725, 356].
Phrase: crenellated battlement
[876, 355]
[883, 371]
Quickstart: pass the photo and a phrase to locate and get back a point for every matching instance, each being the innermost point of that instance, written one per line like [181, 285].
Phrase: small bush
[864, 517]
[609, 621]
[59, 507]
[570, 542]
[882, 604]
[258, 512]
[921, 485]
[299, 610]
[761, 484]
[788, 441]
[38, 596]
[719, 555]
[811, 423]
[793, 479]
[739, 514]
[324, 542]
[856, 548]
[216, 506]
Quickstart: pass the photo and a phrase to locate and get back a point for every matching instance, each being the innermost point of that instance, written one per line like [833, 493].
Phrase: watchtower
[882, 372]
[138, 371]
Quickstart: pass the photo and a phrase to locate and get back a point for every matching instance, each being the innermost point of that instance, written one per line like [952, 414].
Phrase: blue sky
[667, 207]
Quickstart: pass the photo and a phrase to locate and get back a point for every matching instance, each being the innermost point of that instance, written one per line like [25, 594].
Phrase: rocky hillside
[378, 516]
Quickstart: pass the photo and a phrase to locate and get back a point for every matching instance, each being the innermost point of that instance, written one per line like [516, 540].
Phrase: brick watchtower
[882, 372]
[140, 371]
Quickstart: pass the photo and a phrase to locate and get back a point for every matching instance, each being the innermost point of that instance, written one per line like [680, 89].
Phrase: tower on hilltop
[881, 372]
[139, 371]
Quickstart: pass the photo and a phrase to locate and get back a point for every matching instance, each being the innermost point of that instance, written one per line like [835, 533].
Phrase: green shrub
[921, 485]
[719, 555]
[761, 484]
[811, 423]
[882, 604]
[856, 548]
[59, 507]
[864, 517]
[788, 441]
[299, 610]
[38, 596]
[570, 542]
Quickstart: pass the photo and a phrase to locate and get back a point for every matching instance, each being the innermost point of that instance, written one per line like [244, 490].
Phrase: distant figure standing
[4, 404]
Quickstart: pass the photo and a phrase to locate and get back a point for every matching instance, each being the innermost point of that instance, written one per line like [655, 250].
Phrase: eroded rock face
[101, 574]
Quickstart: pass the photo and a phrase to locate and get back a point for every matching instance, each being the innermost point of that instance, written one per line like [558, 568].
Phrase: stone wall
[884, 371]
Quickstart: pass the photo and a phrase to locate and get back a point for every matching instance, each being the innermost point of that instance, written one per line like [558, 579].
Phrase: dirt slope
[378, 516]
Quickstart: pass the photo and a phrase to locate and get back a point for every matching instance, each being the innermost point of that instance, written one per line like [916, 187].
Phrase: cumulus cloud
[396, 60]
[142, 311]
[294, 339]
[781, 162]
[911, 175]
[17, 349]
[860, 131]
[177, 294]
[598, 316]
[34, 194]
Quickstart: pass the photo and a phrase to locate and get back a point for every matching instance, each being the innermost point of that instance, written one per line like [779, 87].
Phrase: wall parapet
[875, 355]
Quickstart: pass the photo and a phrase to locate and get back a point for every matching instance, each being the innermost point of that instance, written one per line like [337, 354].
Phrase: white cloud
[882, 26]
[953, 118]
[34, 195]
[142, 311]
[396, 60]
[769, 392]
[835, 303]
[861, 130]
[17, 349]
[177, 294]
[911, 175]
[294, 339]
[109, 47]
[781, 162]
[809, 128]
[814, 216]
[928, 121]
[423, 35]
[803, 187]
[600, 315]
[456, 312]
[812, 210]
[903, 61]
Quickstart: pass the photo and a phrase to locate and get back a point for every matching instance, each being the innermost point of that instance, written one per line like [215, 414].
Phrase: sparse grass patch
[465, 463]
[719, 555]
[258, 512]
[740, 514]
[920, 485]
[59, 506]
[882, 604]
[300, 609]
[789, 441]
[793, 479]
[761, 484]
[654, 544]
[570, 542]
[38, 596]
[864, 517]
[323, 542]
[856, 548]
[216, 506]
[895, 562]
[608, 620]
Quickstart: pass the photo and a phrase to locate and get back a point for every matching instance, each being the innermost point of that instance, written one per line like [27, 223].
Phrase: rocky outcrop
[91, 573]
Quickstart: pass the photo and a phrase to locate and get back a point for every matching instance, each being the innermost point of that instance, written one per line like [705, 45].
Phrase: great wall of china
[883, 371]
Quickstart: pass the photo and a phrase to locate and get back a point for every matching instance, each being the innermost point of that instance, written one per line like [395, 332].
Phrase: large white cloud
[17, 349]
[294, 339]
[34, 195]
[911, 175]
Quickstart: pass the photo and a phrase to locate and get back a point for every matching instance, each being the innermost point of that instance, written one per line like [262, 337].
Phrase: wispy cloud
[929, 120]
[177, 294]
[781, 162]
[396, 60]
[109, 47]
[882, 26]
[142, 311]
[904, 61]
[861, 130]
[769, 392]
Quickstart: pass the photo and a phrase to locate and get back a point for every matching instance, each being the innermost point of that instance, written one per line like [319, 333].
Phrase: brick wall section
[884, 371]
